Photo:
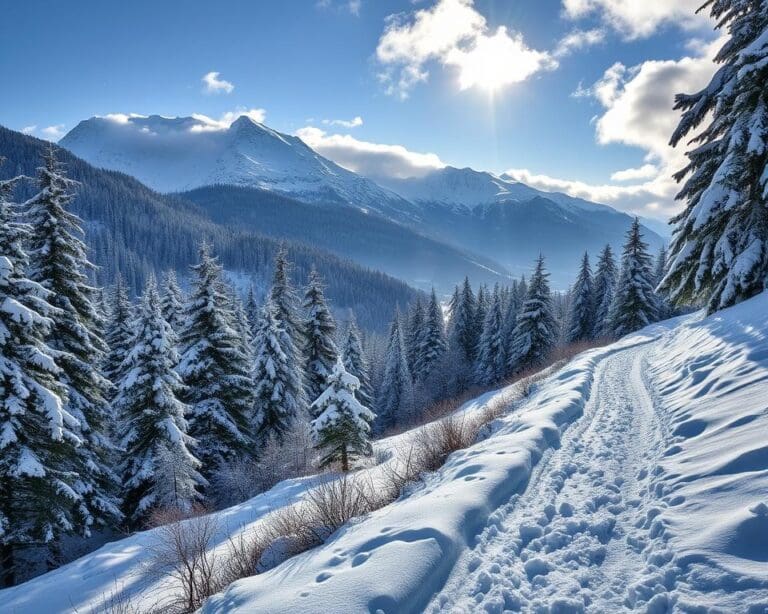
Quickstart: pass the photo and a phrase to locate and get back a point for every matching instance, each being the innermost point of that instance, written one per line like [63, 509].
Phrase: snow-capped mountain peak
[174, 154]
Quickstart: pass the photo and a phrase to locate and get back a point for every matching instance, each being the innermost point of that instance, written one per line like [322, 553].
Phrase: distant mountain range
[430, 230]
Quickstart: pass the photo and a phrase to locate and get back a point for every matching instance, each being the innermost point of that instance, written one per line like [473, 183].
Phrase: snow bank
[396, 558]
[711, 383]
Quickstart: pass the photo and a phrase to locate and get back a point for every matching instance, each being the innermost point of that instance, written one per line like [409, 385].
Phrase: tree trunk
[8, 564]
[344, 459]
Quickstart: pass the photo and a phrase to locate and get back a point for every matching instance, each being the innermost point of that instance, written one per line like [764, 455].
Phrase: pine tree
[635, 304]
[172, 301]
[215, 371]
[395, 400]
[481, 311]
[514, 304]
[159, 469]
[536, 330]
[39, 494]
[491, 357]
[719, 252]
[240, 322]
[119, 332]
[319, 332]
[463, 323]
[252, 310]
[277, 373]
[356, 362]
[413, 332]
[343, 424]
[284, 300]
[59, 263]
[581, 313]
[606, 277]
[433, 343]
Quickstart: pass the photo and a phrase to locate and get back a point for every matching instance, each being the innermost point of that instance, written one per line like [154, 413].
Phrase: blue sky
[563, 93]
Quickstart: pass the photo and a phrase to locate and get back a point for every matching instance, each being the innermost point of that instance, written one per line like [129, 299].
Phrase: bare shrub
[183, 551]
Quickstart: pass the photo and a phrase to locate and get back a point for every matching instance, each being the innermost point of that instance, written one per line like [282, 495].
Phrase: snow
[634, 478]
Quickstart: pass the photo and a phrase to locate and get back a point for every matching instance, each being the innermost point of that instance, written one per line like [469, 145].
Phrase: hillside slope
[368, 239]
[634, 478]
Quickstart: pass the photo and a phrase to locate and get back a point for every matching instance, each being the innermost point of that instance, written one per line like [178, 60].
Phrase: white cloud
[454, 34]
[214, 85]
[53, 133]
[579, 39]
[373, 160]
[28, 129]
[355, 122]
[353, 6]
[637, 111]
[647, 171]
[209, 124]
[638, 18]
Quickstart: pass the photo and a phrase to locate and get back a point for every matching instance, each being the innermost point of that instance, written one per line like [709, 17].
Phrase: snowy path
[577, 535]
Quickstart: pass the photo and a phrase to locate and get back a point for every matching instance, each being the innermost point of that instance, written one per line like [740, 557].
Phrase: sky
[566, 95]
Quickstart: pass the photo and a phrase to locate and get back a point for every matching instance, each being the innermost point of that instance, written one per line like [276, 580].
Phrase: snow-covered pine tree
[39, 497]
[356, 362]
[219, 387]
[59, 263]
[581, 312]
[240, 322]
[491, 356]
[536, 331]
[285, 300]
[413, 331]
[719, 250]
[606, 277]
[395, 400]
[481, 311]
[463, 333]
[119, 331]
[635, 304]
[433, 343]
[342, 428]
[159, 469]
[277, 374]
[172, 301]
[320, 349]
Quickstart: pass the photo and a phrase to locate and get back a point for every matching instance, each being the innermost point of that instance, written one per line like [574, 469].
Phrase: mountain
[472, 223]
[513, 223]
[183, 153]
[133, 229]
[370, 240]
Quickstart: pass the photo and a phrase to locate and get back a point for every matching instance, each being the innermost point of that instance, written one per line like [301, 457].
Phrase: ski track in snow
[582, 536]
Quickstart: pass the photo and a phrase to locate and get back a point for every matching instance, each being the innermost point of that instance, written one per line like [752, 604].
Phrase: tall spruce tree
[219, 387]
[172, 301]
[39, 495]
[252, 311]
[395, 401]
[277, 374]
[59, 263]
[463, 333]
[343, 425]
[719, 251]
[356, 362]
[119, 331]
[606, 277]
[491, 356]
[433, 344]
[285, 301]
[159, 469]
[635, 304]
[320, 348]
[413, 333]
[581, 313]
[536, 331]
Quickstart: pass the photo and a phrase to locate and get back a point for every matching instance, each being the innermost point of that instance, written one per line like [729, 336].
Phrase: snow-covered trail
[578, 532]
